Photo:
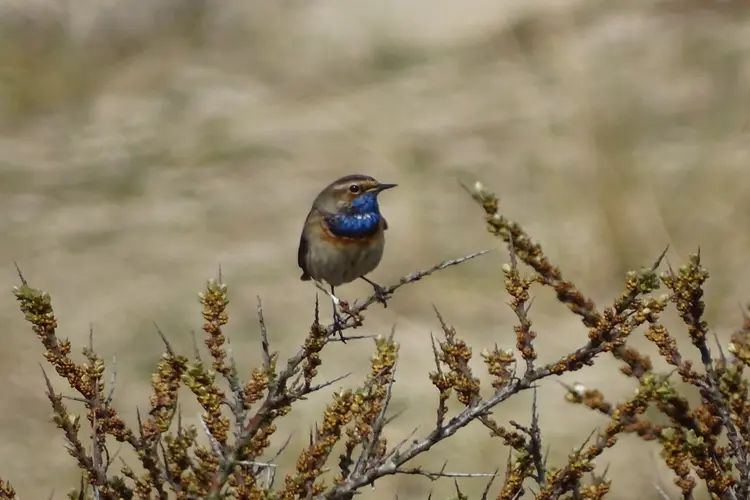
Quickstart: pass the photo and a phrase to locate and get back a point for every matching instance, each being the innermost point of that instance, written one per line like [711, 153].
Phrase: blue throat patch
[361, 220]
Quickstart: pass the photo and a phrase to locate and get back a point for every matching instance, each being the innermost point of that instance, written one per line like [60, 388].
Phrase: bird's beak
[383, 187]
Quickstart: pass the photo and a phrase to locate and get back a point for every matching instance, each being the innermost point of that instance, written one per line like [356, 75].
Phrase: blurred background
[145, 144]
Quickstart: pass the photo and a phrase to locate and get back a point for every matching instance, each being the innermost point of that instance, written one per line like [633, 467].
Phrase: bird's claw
[380, 295]
[338, 326]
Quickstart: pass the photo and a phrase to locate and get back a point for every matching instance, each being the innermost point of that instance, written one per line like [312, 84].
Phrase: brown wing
[301, 256]
[304, 247]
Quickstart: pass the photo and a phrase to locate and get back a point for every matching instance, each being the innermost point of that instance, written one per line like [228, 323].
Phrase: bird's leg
[380, 293]
[335, 302]
[337, 321]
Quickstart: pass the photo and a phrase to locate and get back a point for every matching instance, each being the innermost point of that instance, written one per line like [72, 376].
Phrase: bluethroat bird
[342, 239]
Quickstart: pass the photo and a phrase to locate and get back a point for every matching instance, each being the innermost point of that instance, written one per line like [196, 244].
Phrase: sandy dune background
[142, 146]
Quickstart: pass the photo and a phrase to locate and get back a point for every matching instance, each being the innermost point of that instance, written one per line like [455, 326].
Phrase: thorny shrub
[707, 441]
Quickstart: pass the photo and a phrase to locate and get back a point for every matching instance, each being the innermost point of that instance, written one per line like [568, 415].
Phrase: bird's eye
[354, 188]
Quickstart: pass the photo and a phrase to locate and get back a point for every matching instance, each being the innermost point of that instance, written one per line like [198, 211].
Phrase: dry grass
[141, 150]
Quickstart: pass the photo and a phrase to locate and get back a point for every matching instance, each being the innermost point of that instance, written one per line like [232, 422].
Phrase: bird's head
[353, 194]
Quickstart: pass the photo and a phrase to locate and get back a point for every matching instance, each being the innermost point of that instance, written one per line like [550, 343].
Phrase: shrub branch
[707, 440]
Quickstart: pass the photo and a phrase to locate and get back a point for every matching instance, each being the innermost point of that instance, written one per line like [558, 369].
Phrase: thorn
[660, 259]
[164, 339]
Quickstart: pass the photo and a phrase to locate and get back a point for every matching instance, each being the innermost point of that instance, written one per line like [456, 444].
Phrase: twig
[265, 346]
[352, 317]
[417, 471]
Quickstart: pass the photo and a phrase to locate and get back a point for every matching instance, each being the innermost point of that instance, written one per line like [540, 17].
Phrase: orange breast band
[329, 237]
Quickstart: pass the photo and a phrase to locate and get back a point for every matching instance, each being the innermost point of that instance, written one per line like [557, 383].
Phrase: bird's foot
[338, 325]
[380, 294]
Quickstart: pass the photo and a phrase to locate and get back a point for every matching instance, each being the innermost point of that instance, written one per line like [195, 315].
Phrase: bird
[343, 236]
